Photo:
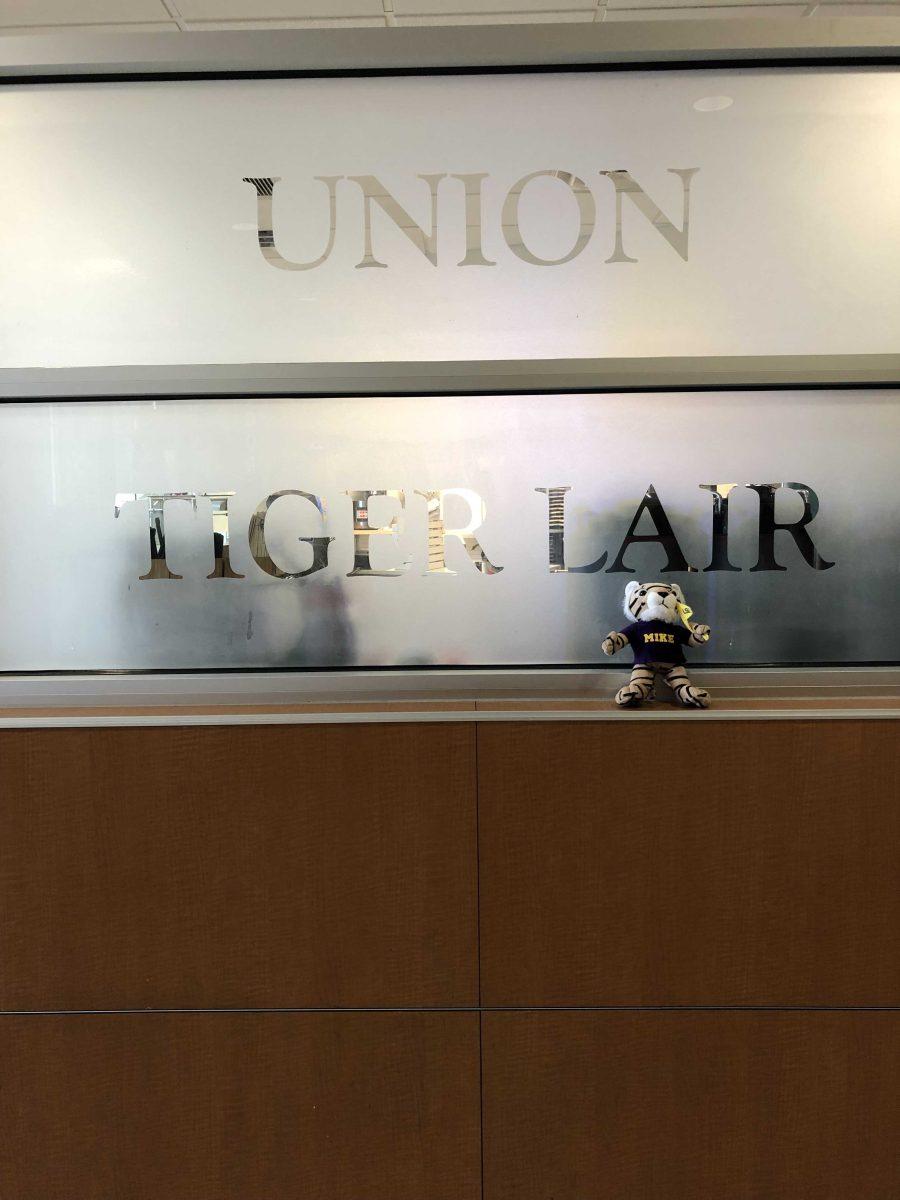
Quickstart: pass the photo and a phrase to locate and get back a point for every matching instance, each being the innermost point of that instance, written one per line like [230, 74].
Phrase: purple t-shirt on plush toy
[657, 642]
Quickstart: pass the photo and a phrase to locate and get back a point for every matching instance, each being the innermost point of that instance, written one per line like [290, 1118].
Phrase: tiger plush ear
[679, 594]
[630, 588]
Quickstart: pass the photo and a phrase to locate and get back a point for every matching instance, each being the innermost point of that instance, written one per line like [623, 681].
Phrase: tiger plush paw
[613, 643]
[629, 697]
[692, 697]
[638, 688]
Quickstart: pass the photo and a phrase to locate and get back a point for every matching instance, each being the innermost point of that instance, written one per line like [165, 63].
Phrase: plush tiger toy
[657, 636]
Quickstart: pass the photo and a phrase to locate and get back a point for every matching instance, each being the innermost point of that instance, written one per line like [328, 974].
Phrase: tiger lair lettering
[469, 206]
[440, 530]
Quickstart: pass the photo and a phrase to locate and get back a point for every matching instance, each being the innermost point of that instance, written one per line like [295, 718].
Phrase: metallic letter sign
[549, 216]
[490, 531]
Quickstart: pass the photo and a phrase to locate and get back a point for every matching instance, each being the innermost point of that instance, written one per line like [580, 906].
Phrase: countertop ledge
[726, 707]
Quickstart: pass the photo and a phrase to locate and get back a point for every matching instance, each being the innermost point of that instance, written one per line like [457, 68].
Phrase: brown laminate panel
[691, 1106]
[690, 863]
[307, 866]
[271, 1106]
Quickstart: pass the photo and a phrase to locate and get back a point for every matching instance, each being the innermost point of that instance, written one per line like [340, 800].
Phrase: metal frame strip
[484, 377]
[781, 41]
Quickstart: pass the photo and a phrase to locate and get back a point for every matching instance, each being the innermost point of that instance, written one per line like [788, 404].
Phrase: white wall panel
[129, 237]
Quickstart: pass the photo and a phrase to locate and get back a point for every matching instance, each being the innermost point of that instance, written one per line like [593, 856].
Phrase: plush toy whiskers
[660, 627]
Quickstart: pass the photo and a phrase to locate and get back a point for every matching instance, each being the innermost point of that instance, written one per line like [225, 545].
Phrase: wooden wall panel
[691, 1106]
[690, 863]
[301, 1106]
[694, 863]
[308, 866]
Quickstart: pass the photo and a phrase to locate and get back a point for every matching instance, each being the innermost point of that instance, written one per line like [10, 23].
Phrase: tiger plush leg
[685, 692]
[637, 689]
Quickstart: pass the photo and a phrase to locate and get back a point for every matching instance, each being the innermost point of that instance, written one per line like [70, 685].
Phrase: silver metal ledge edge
[453, 377]
[65, 699]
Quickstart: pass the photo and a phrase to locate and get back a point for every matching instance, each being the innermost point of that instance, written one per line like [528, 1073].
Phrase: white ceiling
[134, 16]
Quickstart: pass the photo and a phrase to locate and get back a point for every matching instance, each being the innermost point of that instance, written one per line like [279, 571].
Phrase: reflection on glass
[259, 548]
[555, 490]
[156, 512]
[363, 532]
[438, 531]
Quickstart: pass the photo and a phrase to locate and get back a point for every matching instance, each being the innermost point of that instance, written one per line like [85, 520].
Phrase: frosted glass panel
[548, 216]
[83, 588]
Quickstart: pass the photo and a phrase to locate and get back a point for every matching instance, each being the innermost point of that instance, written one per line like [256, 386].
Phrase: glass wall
[520, 216]
[445, 531]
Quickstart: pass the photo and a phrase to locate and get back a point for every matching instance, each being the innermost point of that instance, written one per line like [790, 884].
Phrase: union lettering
[470, 216]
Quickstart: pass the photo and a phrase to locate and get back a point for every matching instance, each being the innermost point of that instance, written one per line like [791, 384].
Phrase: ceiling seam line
[172, 9]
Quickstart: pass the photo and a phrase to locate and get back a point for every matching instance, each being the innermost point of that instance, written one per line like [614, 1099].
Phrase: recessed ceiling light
[713, 103]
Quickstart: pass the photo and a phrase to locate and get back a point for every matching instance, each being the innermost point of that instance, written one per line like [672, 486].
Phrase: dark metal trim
[484, 377]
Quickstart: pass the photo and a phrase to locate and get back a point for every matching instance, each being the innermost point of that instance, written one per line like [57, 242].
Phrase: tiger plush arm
[613, 642]
[699, 635]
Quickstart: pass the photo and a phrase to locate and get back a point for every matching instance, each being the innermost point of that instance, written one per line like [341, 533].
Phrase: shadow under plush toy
[660, 628]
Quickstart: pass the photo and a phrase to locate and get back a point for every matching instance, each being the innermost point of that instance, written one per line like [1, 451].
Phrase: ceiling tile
[705, 12]
[129, 27]
[285, 23]
[35, 13]
[859, 8]
[271, 10]
[707, 5]
[554, 18]
[527, 9]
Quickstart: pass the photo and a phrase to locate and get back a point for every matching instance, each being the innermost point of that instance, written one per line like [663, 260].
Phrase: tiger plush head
[653, 601]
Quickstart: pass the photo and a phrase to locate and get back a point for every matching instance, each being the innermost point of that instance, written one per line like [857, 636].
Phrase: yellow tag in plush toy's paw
[685, 612]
